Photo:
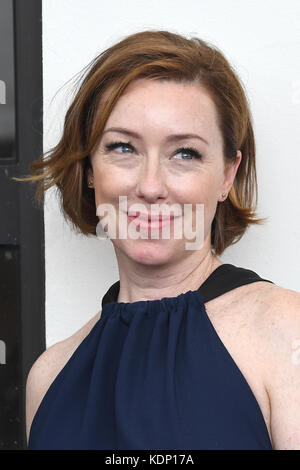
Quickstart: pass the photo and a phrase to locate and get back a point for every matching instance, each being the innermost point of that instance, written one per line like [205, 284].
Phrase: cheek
[198, 189]
[112, 182]
[109, 183]
[201, 191]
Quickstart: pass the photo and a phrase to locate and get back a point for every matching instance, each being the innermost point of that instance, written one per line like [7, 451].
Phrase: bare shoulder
[280, 337]
[278, 308]
[277, 315]
[47, 367]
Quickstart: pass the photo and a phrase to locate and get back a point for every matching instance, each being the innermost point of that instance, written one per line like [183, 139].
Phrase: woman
[187, 352]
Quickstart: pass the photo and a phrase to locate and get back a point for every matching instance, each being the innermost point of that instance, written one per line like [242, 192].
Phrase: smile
[145, 221]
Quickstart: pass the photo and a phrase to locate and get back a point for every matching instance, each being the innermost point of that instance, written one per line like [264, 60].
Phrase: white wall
[262, 40]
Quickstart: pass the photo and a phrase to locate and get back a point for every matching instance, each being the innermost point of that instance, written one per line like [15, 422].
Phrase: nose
[151, 184]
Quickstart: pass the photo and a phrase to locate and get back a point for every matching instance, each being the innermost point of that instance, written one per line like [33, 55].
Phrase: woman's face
[150, 167]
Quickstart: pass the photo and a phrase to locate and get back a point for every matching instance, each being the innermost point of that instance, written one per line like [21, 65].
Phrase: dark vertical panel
[10, 350]
[7, 81]
[22, 278]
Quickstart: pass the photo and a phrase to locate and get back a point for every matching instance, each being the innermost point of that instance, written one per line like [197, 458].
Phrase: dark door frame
[22, 247]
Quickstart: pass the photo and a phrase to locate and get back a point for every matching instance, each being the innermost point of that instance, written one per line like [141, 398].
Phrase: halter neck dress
[154, 374]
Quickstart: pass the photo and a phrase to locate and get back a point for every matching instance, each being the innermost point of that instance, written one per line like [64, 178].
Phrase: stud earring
[224, 195]
[90, 184]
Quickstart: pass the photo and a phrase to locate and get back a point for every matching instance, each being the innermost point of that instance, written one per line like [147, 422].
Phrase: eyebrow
[169, 138]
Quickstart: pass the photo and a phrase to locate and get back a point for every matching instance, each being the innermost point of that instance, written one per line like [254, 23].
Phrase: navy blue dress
[153, 374]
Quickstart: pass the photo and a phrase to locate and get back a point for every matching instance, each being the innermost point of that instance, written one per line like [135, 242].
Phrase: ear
[229, 173]
[89, 174]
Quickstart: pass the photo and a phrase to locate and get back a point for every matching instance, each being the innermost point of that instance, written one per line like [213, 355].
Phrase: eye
[191, 151]
[115, 145]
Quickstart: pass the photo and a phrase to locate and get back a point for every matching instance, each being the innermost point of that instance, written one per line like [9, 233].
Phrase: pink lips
[146, 222]
[149, 218]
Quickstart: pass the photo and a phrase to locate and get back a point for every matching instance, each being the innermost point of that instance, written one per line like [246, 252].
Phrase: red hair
[158, 55]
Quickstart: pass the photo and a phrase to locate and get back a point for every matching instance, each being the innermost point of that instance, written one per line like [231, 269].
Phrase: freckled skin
[155, 172]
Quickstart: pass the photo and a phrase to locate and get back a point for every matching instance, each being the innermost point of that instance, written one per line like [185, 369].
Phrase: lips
[149, 217]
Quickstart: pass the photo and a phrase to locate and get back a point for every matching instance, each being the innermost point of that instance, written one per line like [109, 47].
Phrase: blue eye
[191, 151]
[187, 150]
[115, 145]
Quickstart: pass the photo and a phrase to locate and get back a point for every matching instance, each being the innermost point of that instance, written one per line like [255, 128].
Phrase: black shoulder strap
[112, 294]
[223, 279]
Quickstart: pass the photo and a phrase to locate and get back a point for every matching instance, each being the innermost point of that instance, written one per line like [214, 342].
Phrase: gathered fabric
[153, 374]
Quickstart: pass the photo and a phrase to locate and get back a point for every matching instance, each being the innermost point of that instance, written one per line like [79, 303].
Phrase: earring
[224, 195]
[90, 184]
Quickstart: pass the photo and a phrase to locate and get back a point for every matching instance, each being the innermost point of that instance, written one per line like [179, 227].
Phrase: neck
[151, 282]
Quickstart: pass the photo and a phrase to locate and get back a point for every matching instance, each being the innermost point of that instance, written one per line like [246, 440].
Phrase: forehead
[165, 105]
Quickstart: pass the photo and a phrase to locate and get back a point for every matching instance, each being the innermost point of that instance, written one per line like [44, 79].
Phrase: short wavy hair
[158, 55]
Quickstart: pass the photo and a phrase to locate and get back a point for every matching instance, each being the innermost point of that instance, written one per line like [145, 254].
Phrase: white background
[261, 39]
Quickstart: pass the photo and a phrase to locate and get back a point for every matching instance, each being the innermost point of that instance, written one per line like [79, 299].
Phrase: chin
[150, 252]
